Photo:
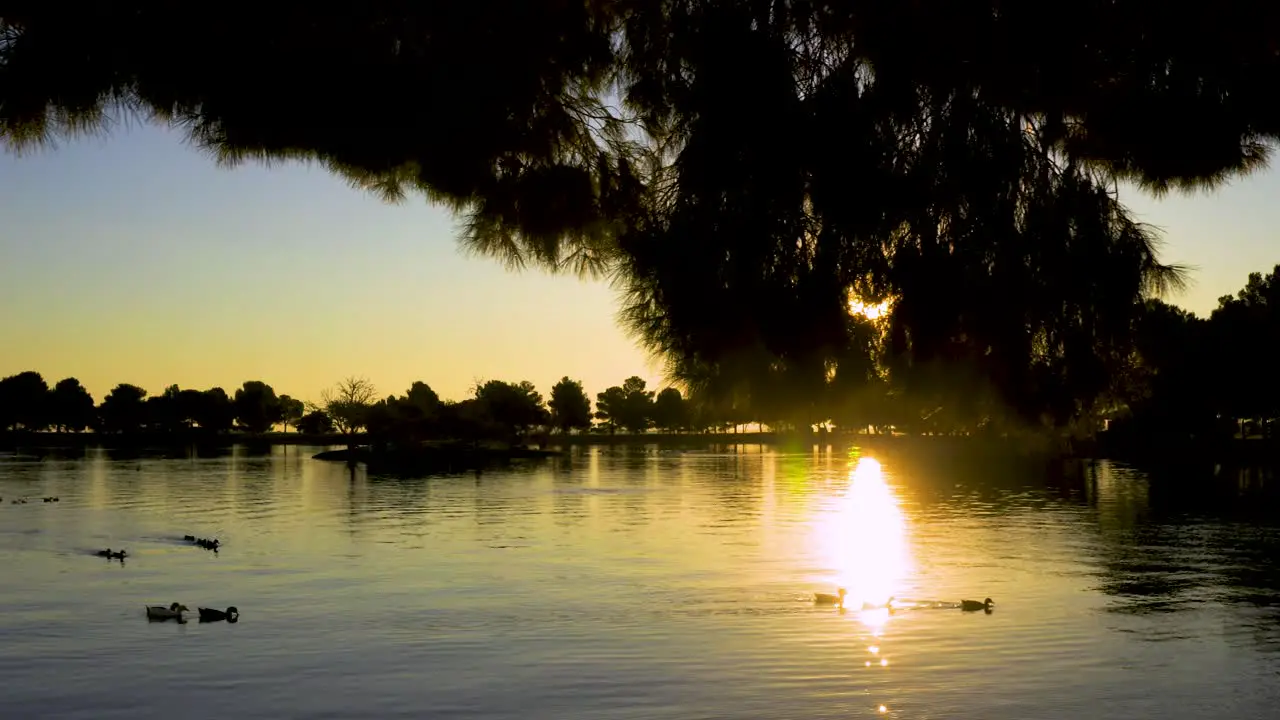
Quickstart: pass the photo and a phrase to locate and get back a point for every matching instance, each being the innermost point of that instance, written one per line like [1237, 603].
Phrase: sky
[135, 258]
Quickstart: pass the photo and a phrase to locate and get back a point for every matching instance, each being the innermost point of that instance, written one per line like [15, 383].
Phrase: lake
[637, 582]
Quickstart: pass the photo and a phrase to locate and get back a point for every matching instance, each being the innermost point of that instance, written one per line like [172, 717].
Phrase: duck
[206, 544]
[231, 614]
[974, 605]
[119, 555]
[829, 599]
[173, 612]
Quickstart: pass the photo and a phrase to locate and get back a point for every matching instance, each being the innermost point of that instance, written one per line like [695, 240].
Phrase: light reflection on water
[635, 583]
[864, 537]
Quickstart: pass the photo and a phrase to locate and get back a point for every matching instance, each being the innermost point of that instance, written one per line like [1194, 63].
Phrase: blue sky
[134, 258]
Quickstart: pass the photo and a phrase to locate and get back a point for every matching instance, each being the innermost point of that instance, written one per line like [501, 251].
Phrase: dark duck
[203, 542]
[231, 614]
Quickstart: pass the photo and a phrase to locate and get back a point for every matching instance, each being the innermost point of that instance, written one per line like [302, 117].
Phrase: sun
[870, 312]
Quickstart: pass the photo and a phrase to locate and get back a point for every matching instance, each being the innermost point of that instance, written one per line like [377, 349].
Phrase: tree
[347, 404]
[257, 407]
[24, 402]
[705, 153]
[124, 409]
[316, 422]
[71, 406]
[1171, 389]
[670, 411]
[514, 407]
[422, 398]
[629, 406]
[1244, 332]
[189, 404]
[467, 420]
[610, 404]
[163, 412]
[291, 411]
[214, 411]
[569, 405]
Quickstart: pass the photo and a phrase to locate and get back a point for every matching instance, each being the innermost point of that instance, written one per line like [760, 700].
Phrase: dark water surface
[636, 583]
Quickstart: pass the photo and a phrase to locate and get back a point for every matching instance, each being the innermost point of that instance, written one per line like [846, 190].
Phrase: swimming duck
[160, 612]
[231, 614]
[974, 605]
[206, 544]
[829, 599]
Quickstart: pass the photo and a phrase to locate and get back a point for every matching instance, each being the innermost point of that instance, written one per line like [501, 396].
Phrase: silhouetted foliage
[71, 407]
[315, 422]
[466, 420]
[124, 409]
[744, 168]
[291, 411]
[348, 404]
[23, 402]
[215, 411]
[1193, 378]
[513, 407]
[1246, 340]
[629, 406]
[164, 412]
[569, 405]
[412, 417]
[257, 407]
[670, 411]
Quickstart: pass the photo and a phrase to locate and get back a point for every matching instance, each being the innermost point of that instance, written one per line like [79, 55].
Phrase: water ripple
[627, 583]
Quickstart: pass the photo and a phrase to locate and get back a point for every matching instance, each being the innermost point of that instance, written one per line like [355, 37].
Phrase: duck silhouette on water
[231, 614]
[829, 599]
[173, 612]
[202, 542]
[975, 606]
[118, 555]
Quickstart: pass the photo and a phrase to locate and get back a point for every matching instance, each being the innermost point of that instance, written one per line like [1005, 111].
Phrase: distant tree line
[1183, 376]
[497, 409]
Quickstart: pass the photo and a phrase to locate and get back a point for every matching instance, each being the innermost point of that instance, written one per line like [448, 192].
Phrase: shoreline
[1114, 448]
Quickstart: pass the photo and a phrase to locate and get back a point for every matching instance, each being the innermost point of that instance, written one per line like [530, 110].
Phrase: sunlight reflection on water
[864, 536]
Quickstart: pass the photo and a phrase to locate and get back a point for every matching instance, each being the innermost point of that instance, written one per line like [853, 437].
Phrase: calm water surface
[636, 583]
